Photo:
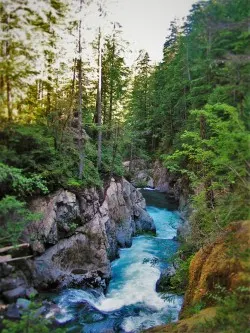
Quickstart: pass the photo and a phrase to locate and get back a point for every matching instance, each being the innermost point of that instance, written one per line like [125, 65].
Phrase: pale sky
[145, 23]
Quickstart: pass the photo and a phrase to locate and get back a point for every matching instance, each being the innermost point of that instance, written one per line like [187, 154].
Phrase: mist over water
[131, 302]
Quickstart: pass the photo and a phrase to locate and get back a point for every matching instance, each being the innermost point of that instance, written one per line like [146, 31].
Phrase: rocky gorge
[78, 235]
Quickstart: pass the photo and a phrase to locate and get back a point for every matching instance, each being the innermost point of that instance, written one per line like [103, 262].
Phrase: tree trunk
[2, 75]
[210, 199]
[8, 91]
[80, 125]
[209, 194]
[187, 62]
[131, 158]
[111, 88]
[68, 119]
[115, 145]
[8, 86]
[99, 103]
[202, 127]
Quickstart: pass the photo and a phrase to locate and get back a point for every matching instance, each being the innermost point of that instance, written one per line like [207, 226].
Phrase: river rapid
[131, 303]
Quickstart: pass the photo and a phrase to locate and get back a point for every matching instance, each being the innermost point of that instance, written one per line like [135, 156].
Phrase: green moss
[145, 232]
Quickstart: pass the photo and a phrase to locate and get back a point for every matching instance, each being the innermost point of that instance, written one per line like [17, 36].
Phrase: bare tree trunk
[8, 85]
[99, 103]
[104, 106]
[115, 146]
[80, 125]
[111, 89]
[5, 79]
[71, 98]
[185, 101]
[8, 91]
[2, 75]
[48, 107]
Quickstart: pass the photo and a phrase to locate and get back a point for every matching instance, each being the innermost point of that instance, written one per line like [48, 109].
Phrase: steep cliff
[77, 237]
[155, 175]
[226, 264]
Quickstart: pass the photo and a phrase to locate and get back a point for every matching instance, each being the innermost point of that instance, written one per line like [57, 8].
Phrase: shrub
[232, 314]
[30, 322]
[12, 180]
[13, 217]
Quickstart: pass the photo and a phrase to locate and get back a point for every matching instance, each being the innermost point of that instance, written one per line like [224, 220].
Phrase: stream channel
[131, 303]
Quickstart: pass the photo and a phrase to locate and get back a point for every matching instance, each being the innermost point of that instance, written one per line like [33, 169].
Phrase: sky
[145, 23]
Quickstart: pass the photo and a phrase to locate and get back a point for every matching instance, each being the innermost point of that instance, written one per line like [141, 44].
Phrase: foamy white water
[131, 303]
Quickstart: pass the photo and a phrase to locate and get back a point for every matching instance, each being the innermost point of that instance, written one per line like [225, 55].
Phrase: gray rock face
[60, 215]
[76, 238]
[12, 282]
[183, 231]
[164, 282]
[140, 172]
[13, 312]
[31, 292]
[82, 233]
[5, 269]
[13, 294]
[58, 266]
[15, 284]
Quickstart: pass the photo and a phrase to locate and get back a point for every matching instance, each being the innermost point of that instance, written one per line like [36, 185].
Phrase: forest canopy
[68, 121]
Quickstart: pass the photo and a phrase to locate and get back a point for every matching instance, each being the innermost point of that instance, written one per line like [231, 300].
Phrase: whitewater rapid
[131, 302]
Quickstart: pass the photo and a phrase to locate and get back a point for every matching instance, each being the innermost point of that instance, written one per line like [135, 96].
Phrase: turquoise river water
[131, 303]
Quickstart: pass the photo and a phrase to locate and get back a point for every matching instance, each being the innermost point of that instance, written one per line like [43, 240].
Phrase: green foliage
[192, 110]
[112, 159]
[141, 184]
[138, 121]
[232, 314]
[31, 148]
[212, 155]
[196, 308]
[22, 24]
[31, 322]
[179, 281]
[13, 218]
[14, 180]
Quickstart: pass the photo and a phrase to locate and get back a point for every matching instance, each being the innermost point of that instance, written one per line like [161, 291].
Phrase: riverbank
[131, 302]
[217, 298]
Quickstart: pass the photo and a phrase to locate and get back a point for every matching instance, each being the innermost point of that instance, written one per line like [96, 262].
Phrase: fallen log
[9, 258]
[5, 258]
[8, 248]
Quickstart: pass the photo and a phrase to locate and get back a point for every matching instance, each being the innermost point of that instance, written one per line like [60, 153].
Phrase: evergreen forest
[70, 118]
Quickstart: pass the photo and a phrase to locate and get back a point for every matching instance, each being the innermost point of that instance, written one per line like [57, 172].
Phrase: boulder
[163, 284]
[31, 292]
[14, 294]
[13, 312]
[81, 251]
[23, 303]
[10, 282]
[5, 270]
[143, 221]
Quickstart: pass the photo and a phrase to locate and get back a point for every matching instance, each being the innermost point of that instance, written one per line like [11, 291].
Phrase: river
[131, 303]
